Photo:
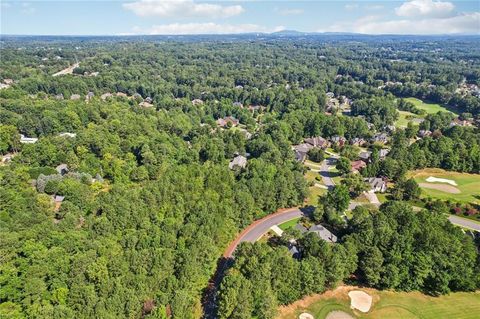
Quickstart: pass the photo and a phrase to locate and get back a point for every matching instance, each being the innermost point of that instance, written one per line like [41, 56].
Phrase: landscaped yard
[314, 193]
[430, 108]
[391, 305]
[289, 224]
[466, 190]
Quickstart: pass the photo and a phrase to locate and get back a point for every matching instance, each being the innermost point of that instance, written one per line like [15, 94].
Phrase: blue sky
[98, 17]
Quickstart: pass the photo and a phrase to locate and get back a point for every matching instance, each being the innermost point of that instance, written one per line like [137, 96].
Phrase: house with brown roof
[197, 102]
[357, 141]
[339, 140]
[228, 119]
[358, 165]
[318, 141]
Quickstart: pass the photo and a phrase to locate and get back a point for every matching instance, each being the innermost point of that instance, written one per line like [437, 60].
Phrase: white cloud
[467, 23]
[290, 12]
[205, 28]
[181, 8]
[351, 6]
[425, 8]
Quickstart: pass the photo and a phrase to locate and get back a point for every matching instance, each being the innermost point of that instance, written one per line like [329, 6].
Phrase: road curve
[463, 222]
[255, 230]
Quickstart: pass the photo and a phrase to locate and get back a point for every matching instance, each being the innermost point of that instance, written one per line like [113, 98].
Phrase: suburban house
[357, 141]
[197, 102]
[59, 97]
[62, 169]
[228, 119]
[377, 184]
[148, 100]
[301, 151]
[292, 248]
[365, 156]
[458, 122]
[27, 140]
[318, 141]
[381, 138]
[424, 133]
[58, 200]
[253, 108]
[358, 165]
[339, 140]
[67, 134]
[238, 161]
[75, 97]
[105, 96]
[319, 230]
[7, 158]
[238, 104]
[383, 153]
[89, 96]
[145, 104]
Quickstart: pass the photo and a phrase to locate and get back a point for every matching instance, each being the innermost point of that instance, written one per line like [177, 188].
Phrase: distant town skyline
[143, 17]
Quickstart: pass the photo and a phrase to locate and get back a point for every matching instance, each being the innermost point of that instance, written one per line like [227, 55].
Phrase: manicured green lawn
[314, 193]
[395, 305]
[468, 184]
[289, 224]
[430, 108]
[403, 120]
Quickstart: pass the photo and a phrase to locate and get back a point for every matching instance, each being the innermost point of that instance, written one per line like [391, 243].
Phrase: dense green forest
[135, 225]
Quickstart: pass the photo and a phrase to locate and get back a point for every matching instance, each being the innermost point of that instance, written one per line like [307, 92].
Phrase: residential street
[253, 232]
[463, 222]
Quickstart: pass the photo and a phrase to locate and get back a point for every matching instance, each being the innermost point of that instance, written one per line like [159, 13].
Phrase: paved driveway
[325, 173]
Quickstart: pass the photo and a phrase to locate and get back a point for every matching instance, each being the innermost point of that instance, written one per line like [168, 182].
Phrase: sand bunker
[440, 187]
[360, 300]
[338, 315]
[432, 179]
[305, 315]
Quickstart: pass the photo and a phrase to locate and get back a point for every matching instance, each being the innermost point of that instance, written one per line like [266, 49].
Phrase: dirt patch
[337, 314]
[305, 315]
[441, 187]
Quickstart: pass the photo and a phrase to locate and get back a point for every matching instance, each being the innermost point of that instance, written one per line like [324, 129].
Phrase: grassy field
[389, 305]
[468, 184]
[428, 107]
[289, 224]
[403, 120]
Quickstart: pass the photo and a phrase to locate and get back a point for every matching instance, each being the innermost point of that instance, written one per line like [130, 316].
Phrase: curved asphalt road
[463, 222]
[256, 230]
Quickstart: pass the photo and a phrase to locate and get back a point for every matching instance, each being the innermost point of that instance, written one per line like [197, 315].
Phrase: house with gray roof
[238, 161]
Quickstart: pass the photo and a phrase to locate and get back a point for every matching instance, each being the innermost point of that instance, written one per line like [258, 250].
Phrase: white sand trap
[305, 315]
[432, 179]
[441, 187]
[337, 314]
[360, 300]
